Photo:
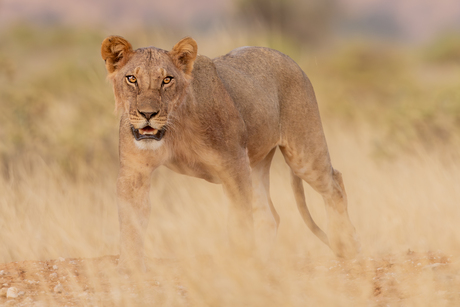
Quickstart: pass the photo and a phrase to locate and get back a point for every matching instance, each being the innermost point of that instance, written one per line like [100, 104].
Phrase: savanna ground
[391, 116]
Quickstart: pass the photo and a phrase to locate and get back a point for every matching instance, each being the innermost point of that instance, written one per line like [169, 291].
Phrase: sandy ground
[390, 280]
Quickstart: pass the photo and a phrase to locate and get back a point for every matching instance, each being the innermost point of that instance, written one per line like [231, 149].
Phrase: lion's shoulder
[204, 75]
[203, 65]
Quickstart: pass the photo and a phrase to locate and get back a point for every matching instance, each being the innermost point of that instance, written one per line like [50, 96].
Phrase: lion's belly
[260, 144]
[195, 169]
[259, 108]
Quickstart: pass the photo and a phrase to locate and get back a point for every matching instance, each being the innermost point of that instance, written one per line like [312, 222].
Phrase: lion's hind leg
[315, 168]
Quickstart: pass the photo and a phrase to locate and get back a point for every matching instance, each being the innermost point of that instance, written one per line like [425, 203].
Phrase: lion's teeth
[148, 132]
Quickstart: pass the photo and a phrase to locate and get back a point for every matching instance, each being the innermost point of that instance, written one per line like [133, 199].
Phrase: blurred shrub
[395, 91]
[58, 106]
[303, 21]
[445, 49]
[369, 68]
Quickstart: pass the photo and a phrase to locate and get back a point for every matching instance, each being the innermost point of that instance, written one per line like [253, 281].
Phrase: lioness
[220, 120]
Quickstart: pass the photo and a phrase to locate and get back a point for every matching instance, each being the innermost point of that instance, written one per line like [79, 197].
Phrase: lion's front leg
[134, 211]
[237, 185]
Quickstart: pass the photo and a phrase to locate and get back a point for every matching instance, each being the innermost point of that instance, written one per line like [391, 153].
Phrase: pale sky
[419, 19]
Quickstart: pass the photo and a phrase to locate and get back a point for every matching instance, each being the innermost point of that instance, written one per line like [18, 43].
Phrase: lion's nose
[148, 115]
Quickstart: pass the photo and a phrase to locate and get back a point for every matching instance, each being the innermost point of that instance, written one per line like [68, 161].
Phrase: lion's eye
[167, 80]
[131, 79]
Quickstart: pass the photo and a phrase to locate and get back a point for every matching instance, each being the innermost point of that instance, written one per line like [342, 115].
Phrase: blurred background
[391, 64]
[386, 75]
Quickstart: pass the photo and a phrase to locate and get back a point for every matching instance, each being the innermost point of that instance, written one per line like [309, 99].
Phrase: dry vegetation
[391, 117]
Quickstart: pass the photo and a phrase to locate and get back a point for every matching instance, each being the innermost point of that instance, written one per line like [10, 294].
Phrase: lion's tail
[299, 193]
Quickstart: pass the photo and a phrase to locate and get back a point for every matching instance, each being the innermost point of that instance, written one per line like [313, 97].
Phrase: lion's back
[261, 78]
[268, 88]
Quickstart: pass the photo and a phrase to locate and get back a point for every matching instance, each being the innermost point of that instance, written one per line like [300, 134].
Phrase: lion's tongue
[148, 130]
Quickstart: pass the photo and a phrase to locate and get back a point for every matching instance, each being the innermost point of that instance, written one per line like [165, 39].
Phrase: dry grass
[57, 200]
[405, 213]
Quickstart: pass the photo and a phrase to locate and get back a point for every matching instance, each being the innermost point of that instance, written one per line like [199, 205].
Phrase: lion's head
[149, 83]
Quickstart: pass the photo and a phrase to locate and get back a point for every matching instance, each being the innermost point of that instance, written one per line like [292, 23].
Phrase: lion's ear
[184, 54]
[115, 51]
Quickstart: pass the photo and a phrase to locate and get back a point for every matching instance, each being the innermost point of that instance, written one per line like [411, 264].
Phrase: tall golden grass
[391, 121]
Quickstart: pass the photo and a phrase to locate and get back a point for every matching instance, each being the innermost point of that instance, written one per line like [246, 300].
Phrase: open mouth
[147, 133]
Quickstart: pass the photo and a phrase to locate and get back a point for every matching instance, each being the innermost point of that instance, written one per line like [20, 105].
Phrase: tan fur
[223, 120]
